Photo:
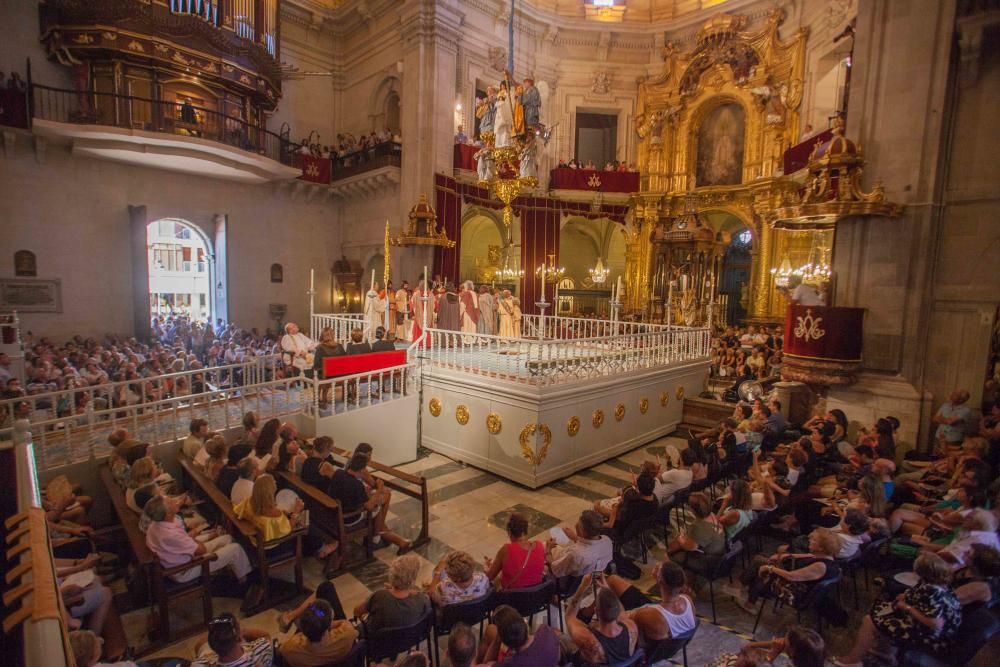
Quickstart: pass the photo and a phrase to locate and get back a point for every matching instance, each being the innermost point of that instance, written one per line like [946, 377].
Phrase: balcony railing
[388, 154]
[140, 113]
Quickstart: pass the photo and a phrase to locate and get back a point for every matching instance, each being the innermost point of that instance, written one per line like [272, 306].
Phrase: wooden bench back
[217, 497]
[128, 519]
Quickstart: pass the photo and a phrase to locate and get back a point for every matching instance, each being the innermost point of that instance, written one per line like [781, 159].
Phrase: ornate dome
[838, 146]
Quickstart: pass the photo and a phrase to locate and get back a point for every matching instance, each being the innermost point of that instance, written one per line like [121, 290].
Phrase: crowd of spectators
[610, 165]
[748, 353]
[177, 344]
[349, 149]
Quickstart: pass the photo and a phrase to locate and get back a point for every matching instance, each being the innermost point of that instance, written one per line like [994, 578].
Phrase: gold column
[760, 306]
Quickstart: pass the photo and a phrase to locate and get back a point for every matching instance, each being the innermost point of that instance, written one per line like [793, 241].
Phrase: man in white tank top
[672, 616]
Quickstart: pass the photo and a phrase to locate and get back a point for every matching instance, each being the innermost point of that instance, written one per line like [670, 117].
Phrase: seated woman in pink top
[519, 563]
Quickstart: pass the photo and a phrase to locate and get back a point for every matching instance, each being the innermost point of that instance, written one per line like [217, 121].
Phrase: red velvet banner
[448, 206]
[797, 156]
[824, 333]
[362, 363]
[539, 238]
[314, 169]
[589, 179]
[463, 156]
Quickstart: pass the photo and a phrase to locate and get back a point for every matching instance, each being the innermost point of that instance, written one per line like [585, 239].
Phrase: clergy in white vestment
[402, 323]
[487, 312]
[505, 306]
[468, 302]
[374, 314]
[297, 348]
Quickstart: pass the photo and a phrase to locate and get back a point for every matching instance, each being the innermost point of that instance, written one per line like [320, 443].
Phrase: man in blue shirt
[953, 419]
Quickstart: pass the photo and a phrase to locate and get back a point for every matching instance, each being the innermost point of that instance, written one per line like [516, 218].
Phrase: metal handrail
[142, 113]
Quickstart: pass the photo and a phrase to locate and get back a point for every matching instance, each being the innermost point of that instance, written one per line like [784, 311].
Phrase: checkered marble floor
[469, 508]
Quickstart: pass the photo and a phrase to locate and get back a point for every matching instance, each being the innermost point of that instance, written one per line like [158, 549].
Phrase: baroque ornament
[598, 418]
[643, 405]
[680, 392]
[462, 415]
[527, 452]
[808, 327]
[619, 412]
[493, 423]
[573, 426]
[434, 407]
[664, 398]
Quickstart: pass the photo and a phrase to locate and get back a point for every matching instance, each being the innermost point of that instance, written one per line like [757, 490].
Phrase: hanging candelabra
[599, 274]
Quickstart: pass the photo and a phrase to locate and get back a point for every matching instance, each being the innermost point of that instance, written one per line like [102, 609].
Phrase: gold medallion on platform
[680, 392]
[493, 423]
[598, 418]
[619, 412]
[643, 406]
[462, 415]
[434, 407]
[664, 398]
[573, 426]
[527, 453]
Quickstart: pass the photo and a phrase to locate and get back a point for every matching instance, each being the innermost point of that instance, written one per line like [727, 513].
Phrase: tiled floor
[469, 508]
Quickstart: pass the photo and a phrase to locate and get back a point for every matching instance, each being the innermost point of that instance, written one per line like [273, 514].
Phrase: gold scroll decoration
[493, 423]
[598, 418]
[462, 415]
[664, 398]
[680, 392]
[434, 407]
[527, 453]
[619, 412]
[643, 405]
[573, 426]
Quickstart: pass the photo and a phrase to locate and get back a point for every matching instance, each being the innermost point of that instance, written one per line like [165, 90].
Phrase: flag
[315, 169]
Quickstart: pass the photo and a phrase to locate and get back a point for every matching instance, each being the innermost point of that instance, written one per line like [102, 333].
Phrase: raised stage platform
[537, 410]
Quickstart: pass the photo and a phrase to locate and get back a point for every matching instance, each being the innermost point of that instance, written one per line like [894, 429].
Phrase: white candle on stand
[312, 279]
[618, 292]
[541, 286]
[372, 288]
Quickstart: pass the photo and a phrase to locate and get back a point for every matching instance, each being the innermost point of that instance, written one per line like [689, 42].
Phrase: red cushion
[362, 363]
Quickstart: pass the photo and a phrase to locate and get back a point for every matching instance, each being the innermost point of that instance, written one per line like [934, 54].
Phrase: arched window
[392, 112]
[277, 273]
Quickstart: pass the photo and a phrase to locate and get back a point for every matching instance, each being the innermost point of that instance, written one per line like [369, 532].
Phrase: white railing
[546, 362]
[341, 323]
[562, 328]
[61, 439]
[362, 390]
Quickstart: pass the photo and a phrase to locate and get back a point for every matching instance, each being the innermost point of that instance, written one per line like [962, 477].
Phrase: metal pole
[510, 44]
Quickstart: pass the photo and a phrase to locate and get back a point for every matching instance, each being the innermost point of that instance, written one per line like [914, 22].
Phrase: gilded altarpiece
[716, 122]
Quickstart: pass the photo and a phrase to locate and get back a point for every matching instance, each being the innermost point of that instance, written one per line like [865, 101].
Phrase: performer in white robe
[506, 307]
[503, 124]
[468, 302]
[402, 322]
[297, 349]
[375, 308]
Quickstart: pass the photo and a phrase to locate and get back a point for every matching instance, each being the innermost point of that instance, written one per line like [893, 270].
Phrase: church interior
[514, 332]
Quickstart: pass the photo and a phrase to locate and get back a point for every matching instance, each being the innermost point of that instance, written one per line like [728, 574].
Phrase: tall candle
[372, 288]
[426, 279]
[541, 286]
[618, 292]
[312, 280]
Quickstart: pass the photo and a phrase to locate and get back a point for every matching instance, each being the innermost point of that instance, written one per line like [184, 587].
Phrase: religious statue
[529, 158]
[486, 166]
[486, 112]
[503, 120]
[532, 101]
[518, 111]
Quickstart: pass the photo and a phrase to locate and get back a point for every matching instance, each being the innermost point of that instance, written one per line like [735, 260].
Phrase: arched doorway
[584, 245]
[482, 249]
[735, 270]
[181, 269]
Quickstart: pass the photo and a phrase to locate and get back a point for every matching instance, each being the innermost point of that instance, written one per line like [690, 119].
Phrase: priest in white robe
[375, 307]
[402, 322]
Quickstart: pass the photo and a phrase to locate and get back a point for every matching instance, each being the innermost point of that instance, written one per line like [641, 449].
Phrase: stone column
[137, 221]
[430, 35]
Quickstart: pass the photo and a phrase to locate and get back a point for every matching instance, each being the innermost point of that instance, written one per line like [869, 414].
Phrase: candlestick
[312, 279]
[618, 293]
[541, 286]
[372, 288]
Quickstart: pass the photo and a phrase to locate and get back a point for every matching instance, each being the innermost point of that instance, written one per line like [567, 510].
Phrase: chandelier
[550, 272]
[599, 274]
[815, 272]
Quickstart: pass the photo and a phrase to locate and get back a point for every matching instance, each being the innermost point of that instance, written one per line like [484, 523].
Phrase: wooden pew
[246, 533]
[326, 513]
[401, 481]
[163, 592]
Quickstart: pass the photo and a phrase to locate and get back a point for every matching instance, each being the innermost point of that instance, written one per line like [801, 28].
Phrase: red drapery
[448, 206]
[539, 239]
[539, 224]
[315, 169]
[589, 179]
[463, 156]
